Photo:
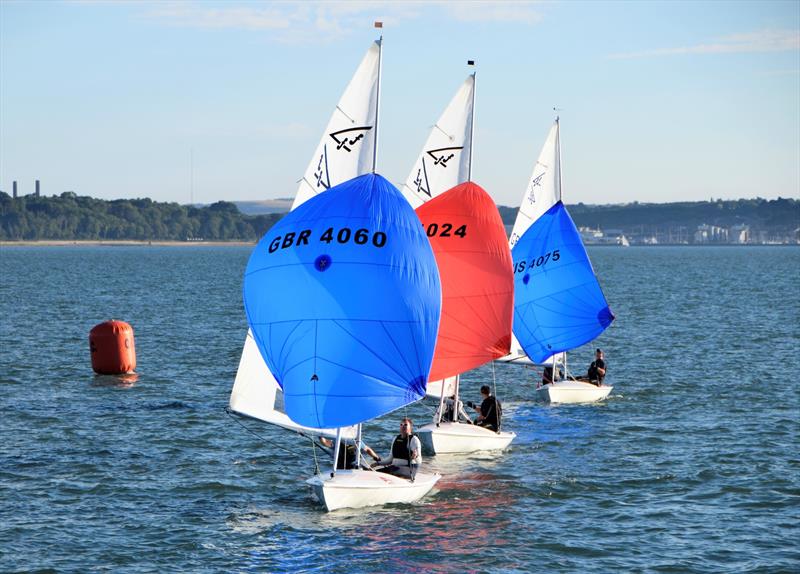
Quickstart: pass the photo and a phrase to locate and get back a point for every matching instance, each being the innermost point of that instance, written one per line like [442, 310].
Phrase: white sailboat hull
[572, 392]
[451, 437]
[362, 488]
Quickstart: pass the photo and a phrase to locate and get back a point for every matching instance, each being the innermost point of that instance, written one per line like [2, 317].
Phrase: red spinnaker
[471, 248]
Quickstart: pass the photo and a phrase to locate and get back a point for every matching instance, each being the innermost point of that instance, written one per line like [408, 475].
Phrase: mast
[377, 98]
[472, 120]
[469, 178]
[358, 446]
[558, 151]
[558, 175]
[336, 450]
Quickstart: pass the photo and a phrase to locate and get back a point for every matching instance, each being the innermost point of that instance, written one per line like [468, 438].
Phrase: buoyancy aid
[400, 448]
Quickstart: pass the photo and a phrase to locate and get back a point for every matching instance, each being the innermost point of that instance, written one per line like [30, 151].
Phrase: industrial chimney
[14, 190]
[37, 188]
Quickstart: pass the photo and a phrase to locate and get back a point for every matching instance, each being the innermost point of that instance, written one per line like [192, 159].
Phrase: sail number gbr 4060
[523, 265]
[330, 235]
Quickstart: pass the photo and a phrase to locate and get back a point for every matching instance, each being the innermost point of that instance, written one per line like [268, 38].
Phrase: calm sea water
[692, 465]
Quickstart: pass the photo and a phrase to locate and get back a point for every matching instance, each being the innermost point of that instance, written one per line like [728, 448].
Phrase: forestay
[444, 160]
[343, 298]
[559, 304]
[469, 241]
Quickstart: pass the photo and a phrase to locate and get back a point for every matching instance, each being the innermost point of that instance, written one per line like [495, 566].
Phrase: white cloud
[326, 21]
[747, 43]
[494, 11]
[283, 21]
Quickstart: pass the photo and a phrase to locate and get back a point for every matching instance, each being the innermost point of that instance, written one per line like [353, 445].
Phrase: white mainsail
[255, 395]
[347, 147]
[543, 192]
[544, 186]
[346, 150]
[444, 161]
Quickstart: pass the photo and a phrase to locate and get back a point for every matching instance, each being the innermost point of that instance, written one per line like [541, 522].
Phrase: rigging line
[314, 451]
[255, 434]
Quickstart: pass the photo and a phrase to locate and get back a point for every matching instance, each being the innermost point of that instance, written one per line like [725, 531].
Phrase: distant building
[37, 193]
[591, 236]
[739, 234]
[14, 190]
[710, 234]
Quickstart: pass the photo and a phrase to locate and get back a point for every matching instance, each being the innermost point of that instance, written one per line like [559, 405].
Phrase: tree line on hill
[72, 217]
[775, 214]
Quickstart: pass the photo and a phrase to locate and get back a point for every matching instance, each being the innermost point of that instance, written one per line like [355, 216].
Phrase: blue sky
[660, 101]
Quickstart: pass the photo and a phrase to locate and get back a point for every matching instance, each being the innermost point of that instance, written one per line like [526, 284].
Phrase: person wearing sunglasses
[406, 454]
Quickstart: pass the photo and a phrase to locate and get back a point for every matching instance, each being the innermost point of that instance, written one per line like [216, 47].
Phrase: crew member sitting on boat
[547, 376]
[597, 370]
[490, 411]
[406, 454]
[347, 453]
[453, 412]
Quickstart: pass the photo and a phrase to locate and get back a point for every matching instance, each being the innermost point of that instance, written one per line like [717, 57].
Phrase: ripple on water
[690, 466]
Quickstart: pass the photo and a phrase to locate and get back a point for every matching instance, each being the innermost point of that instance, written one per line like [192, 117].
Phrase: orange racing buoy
[112, 348]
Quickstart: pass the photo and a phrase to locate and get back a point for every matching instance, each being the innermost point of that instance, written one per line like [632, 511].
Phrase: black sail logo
[443, 155]
[347, 139]
[421, 181]
[321, 175]
[535, 182]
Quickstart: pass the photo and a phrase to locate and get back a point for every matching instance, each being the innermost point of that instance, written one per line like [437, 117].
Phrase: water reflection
[115, 381]
[464, 516]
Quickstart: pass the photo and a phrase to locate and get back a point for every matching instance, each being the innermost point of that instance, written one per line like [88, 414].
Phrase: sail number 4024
[330, 235]
[521, 266]
[445, 230]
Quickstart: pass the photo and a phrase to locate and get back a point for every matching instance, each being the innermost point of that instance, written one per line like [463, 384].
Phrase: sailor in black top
[597, 370]
[490, 411]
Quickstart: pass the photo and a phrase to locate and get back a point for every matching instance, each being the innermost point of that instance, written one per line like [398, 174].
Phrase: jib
[292, 238]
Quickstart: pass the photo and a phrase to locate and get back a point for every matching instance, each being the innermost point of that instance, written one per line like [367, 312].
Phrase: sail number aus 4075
[521, 266]
[330, 235]
[445, 230]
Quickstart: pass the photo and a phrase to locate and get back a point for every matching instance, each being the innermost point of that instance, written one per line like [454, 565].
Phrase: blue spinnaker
[343, 298]
[558, 303]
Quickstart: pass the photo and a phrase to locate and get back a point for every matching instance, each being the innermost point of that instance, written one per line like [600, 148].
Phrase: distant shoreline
[124, 243]
[133, 243]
